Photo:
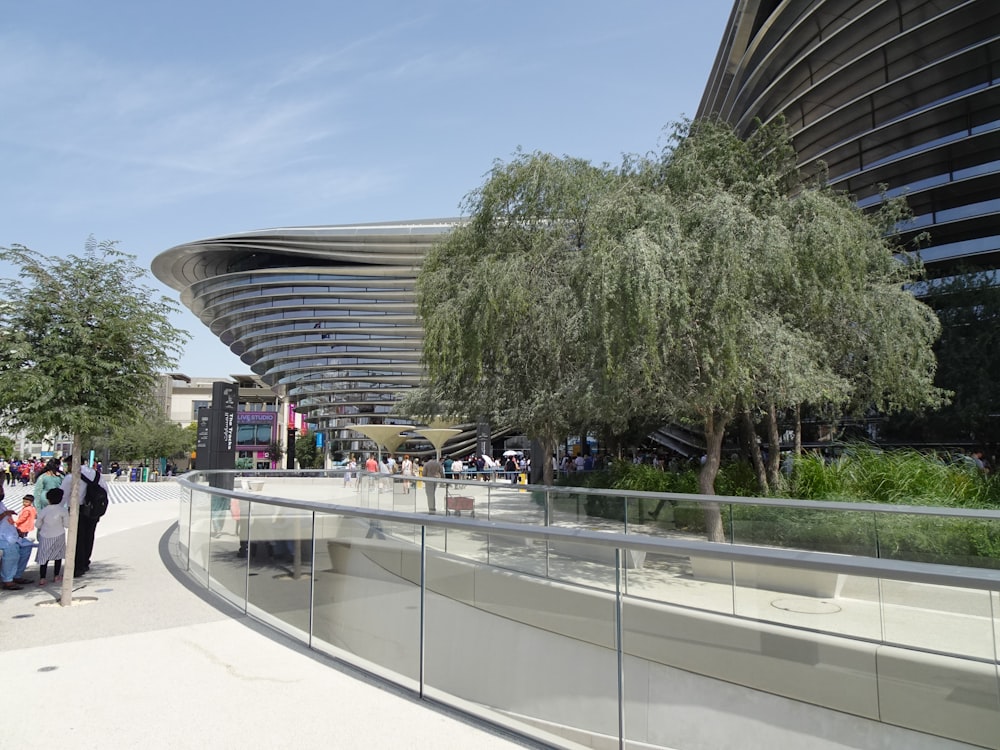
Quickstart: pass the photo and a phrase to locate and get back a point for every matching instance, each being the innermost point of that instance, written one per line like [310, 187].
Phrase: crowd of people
[41, 523]
[473, 466]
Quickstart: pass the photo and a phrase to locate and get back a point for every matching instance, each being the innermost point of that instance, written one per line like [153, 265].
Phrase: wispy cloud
[162, 133]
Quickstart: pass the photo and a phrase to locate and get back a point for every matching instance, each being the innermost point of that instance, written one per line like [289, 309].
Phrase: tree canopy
[151, 436]
[695, 284]
[505, 336]
[83, 339]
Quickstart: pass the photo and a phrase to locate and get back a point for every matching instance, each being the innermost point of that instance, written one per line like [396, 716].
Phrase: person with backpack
[92, 495]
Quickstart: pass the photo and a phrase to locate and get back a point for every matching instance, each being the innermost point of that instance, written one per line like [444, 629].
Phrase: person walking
[432, 470]
[352, 467]
[406, 469]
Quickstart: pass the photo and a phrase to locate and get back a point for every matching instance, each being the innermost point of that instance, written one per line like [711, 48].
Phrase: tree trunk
[798, 430]
[774, 448]
[548, 448]
[753, 449]
[715, 430]
[69, 564]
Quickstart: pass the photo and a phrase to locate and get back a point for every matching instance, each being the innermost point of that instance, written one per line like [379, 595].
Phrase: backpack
[95, 497]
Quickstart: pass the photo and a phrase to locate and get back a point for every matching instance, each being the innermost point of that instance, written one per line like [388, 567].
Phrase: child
[26, 521]
[53, 520]
[352, 466]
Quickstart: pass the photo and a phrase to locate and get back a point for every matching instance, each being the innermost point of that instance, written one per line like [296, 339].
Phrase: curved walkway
[146, 661]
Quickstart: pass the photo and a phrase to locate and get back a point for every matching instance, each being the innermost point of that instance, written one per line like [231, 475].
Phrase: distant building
[261, 419]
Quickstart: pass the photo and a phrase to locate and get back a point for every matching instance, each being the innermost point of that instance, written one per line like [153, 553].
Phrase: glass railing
[541, 614]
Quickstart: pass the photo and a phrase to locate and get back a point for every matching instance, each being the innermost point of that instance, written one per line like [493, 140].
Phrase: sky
[157, 124]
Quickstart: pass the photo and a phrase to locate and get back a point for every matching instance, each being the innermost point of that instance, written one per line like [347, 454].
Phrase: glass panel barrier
[567, 509]
[184, 526]
[367, 598]
[517, 553]
[523, 631]
[938, 618]
[229, 552]
[280, 567]
[950, 687]
[805, 597]
[369, 486]
[200, 537]
[674, 657]
[583, 563]
[514, 503]
[532, 654]
[968, 542]
[818, 530]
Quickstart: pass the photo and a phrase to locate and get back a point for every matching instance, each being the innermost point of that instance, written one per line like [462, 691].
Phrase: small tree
[152, 436]
[307, 454]
[82, 339]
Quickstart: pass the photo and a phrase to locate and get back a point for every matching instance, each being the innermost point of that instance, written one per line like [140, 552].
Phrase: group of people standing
[20, 472]
[41, 523]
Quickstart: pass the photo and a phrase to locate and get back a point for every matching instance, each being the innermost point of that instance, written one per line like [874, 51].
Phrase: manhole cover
[806, 606]
[47, 669]
[21, 617]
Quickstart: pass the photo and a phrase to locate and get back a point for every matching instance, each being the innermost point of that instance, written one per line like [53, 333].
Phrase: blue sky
[156, 124]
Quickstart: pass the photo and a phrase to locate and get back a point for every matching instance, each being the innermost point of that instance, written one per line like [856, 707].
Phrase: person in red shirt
[25, 522]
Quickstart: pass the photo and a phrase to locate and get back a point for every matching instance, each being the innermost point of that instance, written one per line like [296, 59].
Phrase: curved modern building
[897, 93]
[325, 315]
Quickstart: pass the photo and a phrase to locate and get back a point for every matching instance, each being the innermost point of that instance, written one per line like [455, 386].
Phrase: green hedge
[862, 474]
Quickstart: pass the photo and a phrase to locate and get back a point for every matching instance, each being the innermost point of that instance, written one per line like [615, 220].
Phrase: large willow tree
[505, 336]
[700, 284]
[726, 286]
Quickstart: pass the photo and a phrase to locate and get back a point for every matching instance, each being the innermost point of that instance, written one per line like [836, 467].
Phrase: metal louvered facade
[325, 315]
[900, 93]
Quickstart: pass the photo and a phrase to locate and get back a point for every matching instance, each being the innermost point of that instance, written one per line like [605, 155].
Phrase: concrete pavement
[142, 659]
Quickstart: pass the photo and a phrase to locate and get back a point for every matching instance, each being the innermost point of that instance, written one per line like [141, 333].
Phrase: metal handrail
[887, 508]
[915, 572]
